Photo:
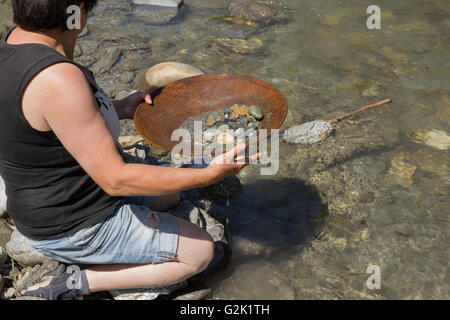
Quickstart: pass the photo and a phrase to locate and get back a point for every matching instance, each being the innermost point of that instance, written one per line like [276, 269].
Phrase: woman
[69, 191]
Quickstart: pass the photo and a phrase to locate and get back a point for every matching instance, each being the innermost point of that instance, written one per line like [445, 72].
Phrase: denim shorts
[123, 237]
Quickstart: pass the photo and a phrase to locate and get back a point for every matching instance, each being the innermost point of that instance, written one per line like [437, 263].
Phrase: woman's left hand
[126, 108]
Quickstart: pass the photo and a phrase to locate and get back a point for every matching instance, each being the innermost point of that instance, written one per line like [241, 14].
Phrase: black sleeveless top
[49, 194]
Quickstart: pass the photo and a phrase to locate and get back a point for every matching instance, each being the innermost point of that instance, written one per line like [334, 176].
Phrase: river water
[374, 194]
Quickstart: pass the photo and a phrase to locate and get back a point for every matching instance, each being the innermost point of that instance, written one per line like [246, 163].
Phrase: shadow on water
[270, 221]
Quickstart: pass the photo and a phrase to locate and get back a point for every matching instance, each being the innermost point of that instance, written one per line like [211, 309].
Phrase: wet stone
[240, 110]
[243, 122]
[106, 63]
[308, 133]
[402, 170]
[256, 112]
[234, 125]
[242, 46]
[254, 11]
[210, 121]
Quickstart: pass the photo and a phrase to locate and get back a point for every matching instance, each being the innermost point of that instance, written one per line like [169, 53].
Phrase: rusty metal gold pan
[177, 101]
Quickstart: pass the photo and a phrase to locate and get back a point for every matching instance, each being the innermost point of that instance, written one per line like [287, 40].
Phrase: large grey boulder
[164, 73]
[19, 250]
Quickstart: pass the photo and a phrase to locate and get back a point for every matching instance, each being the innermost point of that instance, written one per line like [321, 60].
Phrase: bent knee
[207, 254]
[203, 255]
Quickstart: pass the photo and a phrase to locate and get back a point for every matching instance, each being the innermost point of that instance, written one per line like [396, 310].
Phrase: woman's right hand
[230, 163]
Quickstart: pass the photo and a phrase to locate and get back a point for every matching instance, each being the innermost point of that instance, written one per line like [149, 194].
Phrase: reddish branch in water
[359, 110]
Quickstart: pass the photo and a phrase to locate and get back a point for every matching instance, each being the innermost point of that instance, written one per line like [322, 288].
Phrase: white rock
[22, 252]
[128, 141]
[161, 3]
[164, 73]
[2, 197]
[307, 133]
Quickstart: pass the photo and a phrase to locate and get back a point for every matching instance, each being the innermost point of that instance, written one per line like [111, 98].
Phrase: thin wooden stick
[380, 103]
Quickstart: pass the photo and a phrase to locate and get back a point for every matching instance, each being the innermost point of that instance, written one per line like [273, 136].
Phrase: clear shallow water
[311, 231]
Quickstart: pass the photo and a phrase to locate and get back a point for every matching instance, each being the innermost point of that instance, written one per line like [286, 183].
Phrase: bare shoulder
[61, 76]
[61, 87]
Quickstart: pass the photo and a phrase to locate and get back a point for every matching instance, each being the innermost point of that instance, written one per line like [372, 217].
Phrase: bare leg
[165, 203]
[195, 252]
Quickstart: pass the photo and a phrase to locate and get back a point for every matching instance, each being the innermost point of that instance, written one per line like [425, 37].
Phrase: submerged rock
[108, 61]
[402, 170]
[331, 20]
[22, 252]
[256, 112]
[308, 133]
[371, 91]
[254, 11]
[164, 73]
[438, 139]
[242, 46]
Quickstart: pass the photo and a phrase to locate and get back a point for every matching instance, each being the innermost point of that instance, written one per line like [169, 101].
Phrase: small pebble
[210, 121]
[256, 112]
[243, 121]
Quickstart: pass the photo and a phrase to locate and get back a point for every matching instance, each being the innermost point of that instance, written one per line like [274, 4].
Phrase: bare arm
[66, 104]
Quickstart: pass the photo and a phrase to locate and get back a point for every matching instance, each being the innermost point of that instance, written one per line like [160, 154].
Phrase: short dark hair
[36, 15]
